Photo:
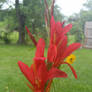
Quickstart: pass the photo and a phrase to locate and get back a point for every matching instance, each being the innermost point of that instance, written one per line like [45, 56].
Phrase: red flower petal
[67, 28]
[27, 72]
[59, 28]
[58, 32]
[59, 39]
[31, 36]
[42, 73]
[40, 48]
[52, 28]
[39, 59]
[38, 63]
[60, 50]
[62, 45]
[52, 52]
[53, 73]
[70, 49]
[73, 71]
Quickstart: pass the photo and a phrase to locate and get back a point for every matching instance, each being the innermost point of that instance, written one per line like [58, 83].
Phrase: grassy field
[12, 80]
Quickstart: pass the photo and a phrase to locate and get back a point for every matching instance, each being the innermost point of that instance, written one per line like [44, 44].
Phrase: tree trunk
[21, 29]
[21, 22]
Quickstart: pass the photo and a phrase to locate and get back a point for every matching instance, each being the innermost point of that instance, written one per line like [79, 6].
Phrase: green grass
[12, 80]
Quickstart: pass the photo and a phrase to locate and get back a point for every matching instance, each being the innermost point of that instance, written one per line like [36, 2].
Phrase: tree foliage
[29, 13]
[79, 20]
[1, 3]
[88, 5]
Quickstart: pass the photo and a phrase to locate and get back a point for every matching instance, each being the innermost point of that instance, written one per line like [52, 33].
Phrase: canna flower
[58, 42]
[70, 59]
[38, 74]
[41, 73]
[58, 49]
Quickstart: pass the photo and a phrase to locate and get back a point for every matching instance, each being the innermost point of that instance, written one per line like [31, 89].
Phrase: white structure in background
[88, 35]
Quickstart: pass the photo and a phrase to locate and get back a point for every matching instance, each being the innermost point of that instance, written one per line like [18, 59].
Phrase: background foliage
[31, 13]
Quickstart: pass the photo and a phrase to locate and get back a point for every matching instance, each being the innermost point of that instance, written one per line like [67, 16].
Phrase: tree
[57, 14]
[88, 5]
[29, 13]
[21, 21]
[1, 3]
[76, 30]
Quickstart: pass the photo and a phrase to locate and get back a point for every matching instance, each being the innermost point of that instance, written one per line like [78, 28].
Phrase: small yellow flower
[70, 59]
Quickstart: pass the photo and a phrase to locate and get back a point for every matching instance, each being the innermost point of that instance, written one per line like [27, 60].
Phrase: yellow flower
[70, 59]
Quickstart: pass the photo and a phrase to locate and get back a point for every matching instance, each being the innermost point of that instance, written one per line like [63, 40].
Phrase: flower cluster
[41, 73]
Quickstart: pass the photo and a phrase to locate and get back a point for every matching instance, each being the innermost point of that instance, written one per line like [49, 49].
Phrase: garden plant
[44, 69]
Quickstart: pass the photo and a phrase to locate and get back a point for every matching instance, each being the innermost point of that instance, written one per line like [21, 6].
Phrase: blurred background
[15, 14]
[16, 45]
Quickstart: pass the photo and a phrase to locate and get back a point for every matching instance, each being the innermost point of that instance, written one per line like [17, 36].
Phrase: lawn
[12, 80]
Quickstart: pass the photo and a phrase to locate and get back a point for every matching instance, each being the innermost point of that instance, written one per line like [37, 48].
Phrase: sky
[67, 7]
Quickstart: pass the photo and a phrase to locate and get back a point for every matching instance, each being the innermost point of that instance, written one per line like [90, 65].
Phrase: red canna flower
[58, 49]
[41, 73]
[38, 74]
